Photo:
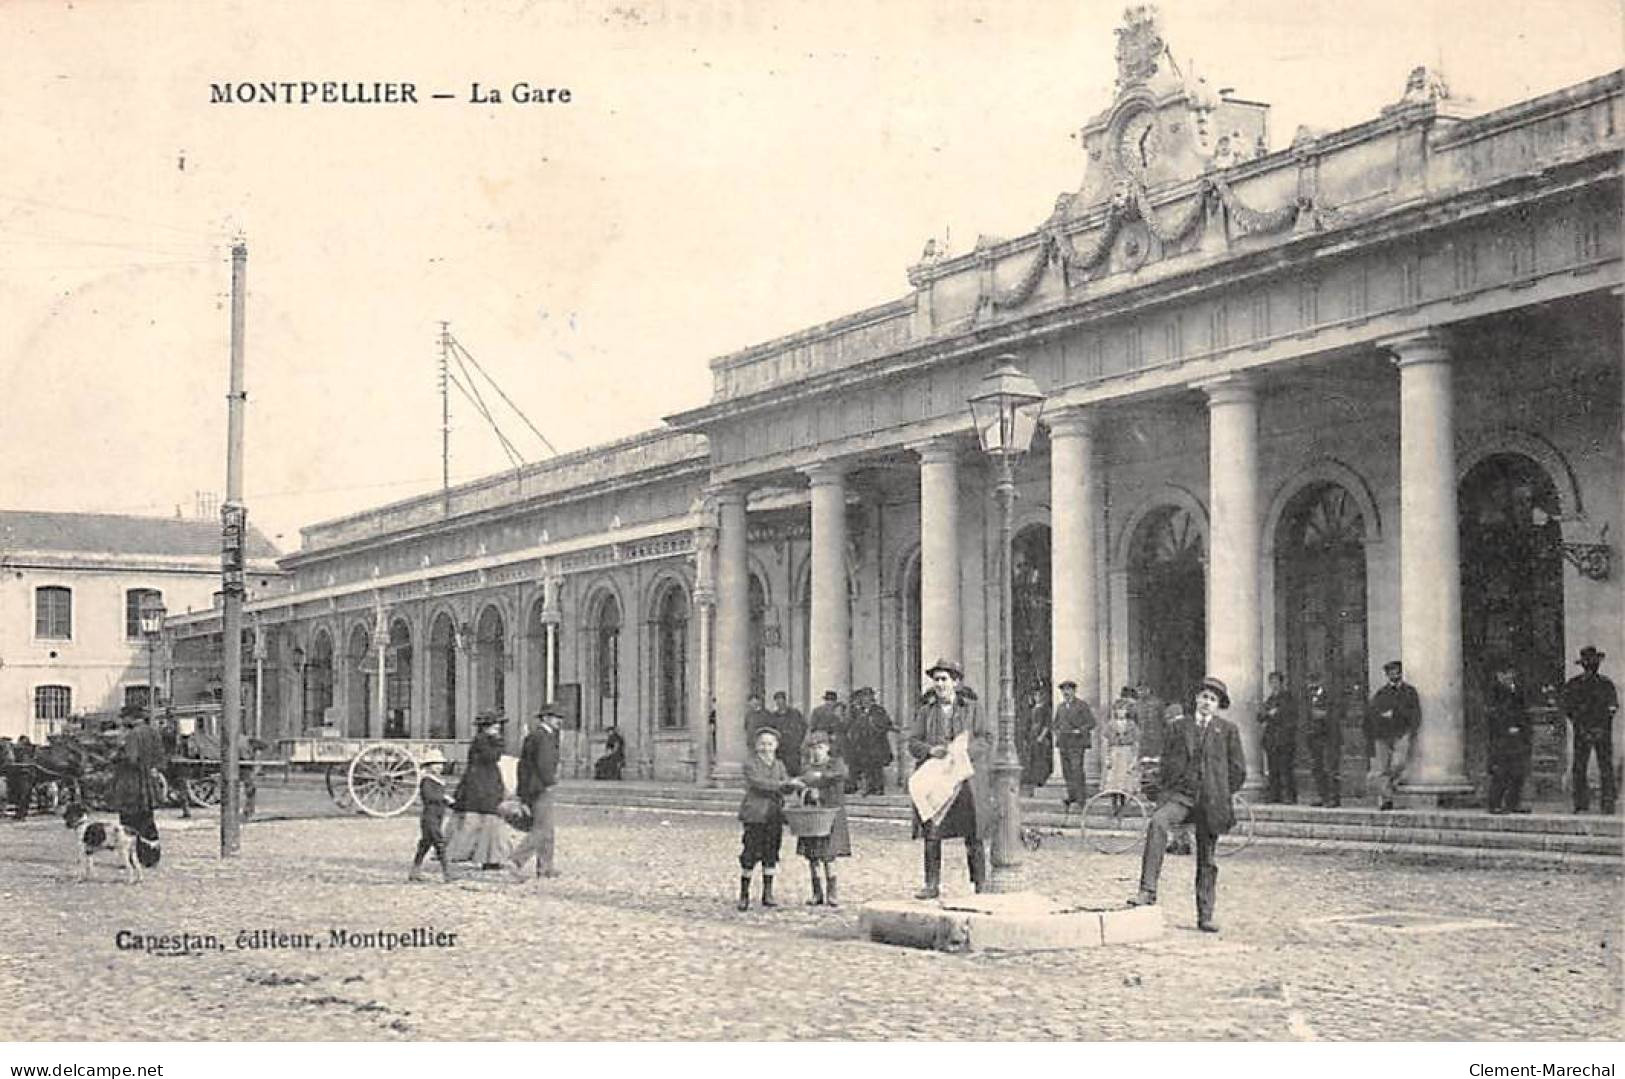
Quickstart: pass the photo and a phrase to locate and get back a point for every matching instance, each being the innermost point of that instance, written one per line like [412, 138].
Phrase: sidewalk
[1546, 837]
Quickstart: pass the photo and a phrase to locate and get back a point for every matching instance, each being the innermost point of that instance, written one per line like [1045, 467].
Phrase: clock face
[1139, 143]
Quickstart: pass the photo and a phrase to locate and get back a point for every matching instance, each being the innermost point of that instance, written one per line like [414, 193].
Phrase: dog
[95, 836]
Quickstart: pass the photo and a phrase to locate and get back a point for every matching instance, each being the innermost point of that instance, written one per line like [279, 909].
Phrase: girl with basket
[825, 783]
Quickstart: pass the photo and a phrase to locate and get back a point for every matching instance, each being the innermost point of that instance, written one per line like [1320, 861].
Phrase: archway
[490, 663]
[398, 685]
[605, 694]
[670, 626]
[358, 683]
[1030, 610]
[319, 679]
[1168, 597]
[1511, 582]
[442, 678]
[1320, 587]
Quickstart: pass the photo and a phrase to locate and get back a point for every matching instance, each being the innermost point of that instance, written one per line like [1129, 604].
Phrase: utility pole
[233, 540]
[445, 419]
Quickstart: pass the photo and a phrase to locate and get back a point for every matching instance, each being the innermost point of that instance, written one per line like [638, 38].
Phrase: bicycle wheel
[1240, 837]
[1114, 823]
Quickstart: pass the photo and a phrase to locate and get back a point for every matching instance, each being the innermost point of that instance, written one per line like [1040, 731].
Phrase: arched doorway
[359, 673]
[398, 687]
[1511, 582]
[1321, 604]
[490, 663]
[536, 657]
[1168, 596]
[605, 694]
[671, 659]
[319, 679]
[1030, 610]
[442, 678]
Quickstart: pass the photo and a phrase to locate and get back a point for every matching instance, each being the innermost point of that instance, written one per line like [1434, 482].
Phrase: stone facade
[1307, 409]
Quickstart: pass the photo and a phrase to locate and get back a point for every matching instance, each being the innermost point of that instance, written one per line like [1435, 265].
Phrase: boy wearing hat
[431, 820]
[1590, 701]
[1202, 765]
[1391, 719]
[761, 813]
[538, 772]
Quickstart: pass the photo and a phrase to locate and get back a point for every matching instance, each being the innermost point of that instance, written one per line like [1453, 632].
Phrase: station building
[1309, 407]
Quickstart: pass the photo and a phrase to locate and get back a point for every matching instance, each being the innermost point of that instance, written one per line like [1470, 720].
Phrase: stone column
[732, 633]
[830, 649]
[1235, 630]
[939, 553]
[1430, 563]
[705, 604]
[1074, 527]
[380, 690]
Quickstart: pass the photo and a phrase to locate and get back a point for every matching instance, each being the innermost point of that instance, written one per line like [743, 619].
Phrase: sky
[725, 173]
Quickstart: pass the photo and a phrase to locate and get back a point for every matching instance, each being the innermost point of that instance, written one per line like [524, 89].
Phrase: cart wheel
[384, 780]
[204, 790]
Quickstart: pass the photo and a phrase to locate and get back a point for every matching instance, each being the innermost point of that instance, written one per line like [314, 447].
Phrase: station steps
[1437, 836]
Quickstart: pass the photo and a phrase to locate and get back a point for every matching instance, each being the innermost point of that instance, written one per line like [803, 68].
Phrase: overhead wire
[458, 345]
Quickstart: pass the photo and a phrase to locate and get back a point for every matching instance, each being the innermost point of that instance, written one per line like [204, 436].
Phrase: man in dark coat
[1590, 701]
[1391, 720]
[1324, 738]
[954, 710]
[792, 728]
[1278, 716]
[1074, 726]
[870, 730]
[829, 718]
[1510, 741]
[538, 773]
[1202, 766]
[134, 791]
[1037, 741]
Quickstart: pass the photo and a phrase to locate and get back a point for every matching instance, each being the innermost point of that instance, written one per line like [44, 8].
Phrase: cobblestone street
[639, 940]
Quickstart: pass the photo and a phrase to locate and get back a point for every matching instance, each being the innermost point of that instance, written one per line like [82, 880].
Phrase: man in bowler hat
[1202, 765]
[1590, 701]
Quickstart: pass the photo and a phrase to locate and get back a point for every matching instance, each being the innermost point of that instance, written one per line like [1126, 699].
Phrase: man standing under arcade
[1590, 701]
[1074, 726]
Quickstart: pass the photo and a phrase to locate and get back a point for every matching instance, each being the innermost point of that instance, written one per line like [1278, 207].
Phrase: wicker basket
[810, 822]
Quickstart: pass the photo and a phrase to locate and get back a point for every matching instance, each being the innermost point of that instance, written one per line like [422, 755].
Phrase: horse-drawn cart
[377, 776]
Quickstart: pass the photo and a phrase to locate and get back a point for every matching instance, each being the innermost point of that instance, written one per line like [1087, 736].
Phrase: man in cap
[1505, 713]
[1074, 726]
[1392, 717]
[1202, 766]
[1590, 701]
[1325, 741]
[538, 772]
[870, 729]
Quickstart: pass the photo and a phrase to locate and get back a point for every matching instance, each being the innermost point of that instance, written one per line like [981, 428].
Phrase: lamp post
[1005, 409]
[152, 628]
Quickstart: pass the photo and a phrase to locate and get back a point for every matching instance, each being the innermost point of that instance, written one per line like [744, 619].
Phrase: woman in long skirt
[481, 835]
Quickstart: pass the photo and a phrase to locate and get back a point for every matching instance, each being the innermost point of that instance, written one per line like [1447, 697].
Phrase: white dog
[97, 836]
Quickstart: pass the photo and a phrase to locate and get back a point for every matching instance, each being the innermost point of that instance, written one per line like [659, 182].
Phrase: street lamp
[1005, 409]
[152, 628]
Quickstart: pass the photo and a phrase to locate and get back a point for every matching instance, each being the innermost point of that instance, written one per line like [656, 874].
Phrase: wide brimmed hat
[1218, 687]
[550, 711]
[831, 695]
[945, 664]
[490, 721]
[1393, 665]
[1589, 654]
[774, 731]
[1067, 682]
[864, 691]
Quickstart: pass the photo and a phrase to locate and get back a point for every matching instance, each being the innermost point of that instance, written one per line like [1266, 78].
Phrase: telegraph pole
[233, 539]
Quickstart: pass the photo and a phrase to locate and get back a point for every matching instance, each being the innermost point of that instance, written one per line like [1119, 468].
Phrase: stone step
[1473, 835]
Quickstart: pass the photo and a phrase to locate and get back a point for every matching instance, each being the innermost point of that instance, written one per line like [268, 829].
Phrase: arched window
[671, 659]
[319, 680]
[398, 688]
[1167, 590]
[360, 675]
[491, 660]
[53, 613]
[442, 674]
